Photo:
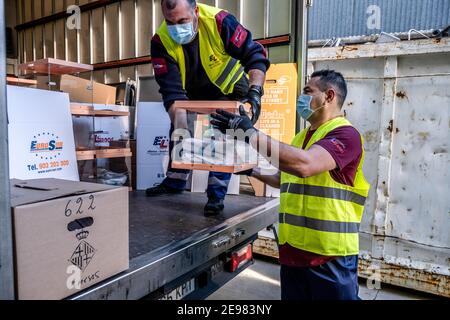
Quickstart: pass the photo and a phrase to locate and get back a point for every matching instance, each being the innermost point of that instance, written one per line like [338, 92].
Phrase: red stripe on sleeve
[219, 19]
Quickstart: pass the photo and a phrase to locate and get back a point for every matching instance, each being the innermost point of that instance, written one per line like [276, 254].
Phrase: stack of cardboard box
[68, 236]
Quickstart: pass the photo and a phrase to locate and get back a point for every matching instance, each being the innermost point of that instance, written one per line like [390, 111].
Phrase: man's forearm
[273, 180]
[256, 77]
[285, 157]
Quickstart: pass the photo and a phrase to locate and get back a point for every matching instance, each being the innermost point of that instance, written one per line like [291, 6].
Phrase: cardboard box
[153, 128]
[51, 82]
[68, 236]
[41, 139]
[86, 91]
[278, 116]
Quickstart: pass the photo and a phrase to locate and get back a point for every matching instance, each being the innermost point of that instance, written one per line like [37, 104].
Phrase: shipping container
[399, 99]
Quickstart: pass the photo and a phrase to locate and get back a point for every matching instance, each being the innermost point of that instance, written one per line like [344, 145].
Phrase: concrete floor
[262, 282]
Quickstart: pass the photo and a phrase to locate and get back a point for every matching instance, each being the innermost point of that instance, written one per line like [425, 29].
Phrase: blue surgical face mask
[304, 106]
[182, 33]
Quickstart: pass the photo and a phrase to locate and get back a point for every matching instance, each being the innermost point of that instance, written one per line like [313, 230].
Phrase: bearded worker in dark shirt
[204, 53]
[323, 191]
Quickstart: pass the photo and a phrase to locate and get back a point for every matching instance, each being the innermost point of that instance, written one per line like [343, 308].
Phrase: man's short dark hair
[331, 78]
[171, 4]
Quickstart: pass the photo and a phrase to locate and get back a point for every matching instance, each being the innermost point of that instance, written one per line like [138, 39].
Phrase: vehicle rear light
[240, 257]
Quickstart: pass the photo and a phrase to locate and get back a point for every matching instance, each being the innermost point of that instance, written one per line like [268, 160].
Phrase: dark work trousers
[335, 280]
[218, 182]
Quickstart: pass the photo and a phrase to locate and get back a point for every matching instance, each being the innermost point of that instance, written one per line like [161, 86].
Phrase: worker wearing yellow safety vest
[323, 191]
[203, 53]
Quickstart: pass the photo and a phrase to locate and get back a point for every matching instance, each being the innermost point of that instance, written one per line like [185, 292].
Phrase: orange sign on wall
[278, 116]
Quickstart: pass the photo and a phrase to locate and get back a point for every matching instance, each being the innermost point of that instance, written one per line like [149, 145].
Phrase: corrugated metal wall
[123, 30]
[343, 18]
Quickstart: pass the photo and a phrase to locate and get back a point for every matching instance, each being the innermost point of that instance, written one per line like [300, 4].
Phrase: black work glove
[223, 121]
[247, 173]
[254, 99]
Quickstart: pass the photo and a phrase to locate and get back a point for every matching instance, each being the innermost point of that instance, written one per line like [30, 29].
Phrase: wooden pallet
[53, 66]
[20, 81]
[266, 246]
[213, 168]
[83, 155]
[207, 107]
[113, 153]
[82, 110]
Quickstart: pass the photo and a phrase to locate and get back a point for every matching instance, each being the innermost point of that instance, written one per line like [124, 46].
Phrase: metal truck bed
[169, 237]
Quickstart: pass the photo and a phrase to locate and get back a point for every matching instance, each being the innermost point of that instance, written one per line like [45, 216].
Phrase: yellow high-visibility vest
[319, 214]
[222, 69]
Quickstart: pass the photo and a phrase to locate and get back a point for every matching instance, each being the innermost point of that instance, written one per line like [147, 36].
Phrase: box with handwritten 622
[68, 236]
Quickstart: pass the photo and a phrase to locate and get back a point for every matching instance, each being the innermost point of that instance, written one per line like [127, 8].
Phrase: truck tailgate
[169, 236]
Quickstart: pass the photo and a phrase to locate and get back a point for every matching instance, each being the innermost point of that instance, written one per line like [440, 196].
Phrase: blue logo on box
[46, 145]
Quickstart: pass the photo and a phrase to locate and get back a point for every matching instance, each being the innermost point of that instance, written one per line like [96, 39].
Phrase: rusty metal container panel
[399, 100]
[364, 77]
[420, 165]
